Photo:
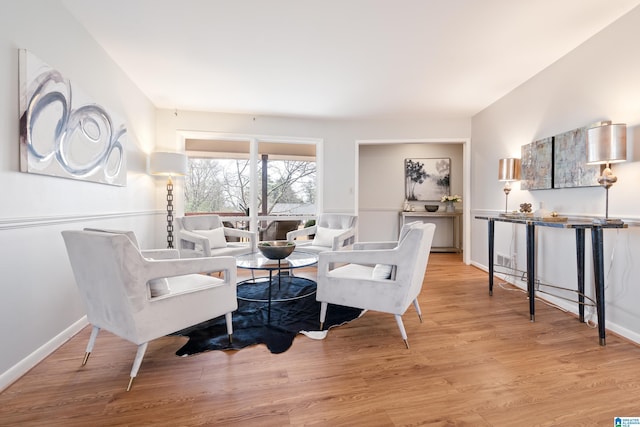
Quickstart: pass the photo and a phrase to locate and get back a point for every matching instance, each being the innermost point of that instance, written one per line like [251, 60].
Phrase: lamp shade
[168, 164]
[607, 143]
[509, 169]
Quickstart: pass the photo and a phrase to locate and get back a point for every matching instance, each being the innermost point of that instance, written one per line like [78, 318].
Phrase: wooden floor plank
[476, 360]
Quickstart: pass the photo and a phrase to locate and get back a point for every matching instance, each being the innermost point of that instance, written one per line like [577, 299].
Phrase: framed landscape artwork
[427, 179]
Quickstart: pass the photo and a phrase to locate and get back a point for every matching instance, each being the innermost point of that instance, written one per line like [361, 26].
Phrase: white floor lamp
[170, 165]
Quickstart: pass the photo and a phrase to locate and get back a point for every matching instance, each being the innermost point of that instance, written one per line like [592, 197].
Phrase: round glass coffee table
[256, 261]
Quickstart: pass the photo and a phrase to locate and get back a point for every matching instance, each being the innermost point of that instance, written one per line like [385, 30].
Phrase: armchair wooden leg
[417, 306]
[229, 319]
[136, 363]
[90, 344]
[323, 314]
[403, 332]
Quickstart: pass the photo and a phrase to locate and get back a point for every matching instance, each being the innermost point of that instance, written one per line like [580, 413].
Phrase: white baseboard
[15, 372]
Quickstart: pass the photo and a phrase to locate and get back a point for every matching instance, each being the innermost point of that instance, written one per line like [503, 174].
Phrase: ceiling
[342, 59]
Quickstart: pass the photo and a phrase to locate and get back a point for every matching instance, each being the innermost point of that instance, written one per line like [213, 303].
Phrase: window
[219, 179]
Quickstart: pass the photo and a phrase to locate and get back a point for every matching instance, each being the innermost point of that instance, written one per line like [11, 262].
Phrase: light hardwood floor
[475, 361]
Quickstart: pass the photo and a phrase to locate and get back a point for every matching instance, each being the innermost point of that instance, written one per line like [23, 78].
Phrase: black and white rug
[294, 309]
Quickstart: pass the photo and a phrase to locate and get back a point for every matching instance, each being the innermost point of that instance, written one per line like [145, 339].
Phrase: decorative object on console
[431, 208]
[168, 164]
[606, 144]
[508, 171]
[525, 208]
[449, 201]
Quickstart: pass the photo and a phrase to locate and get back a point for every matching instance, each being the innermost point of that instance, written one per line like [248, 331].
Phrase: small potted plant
[449, 201]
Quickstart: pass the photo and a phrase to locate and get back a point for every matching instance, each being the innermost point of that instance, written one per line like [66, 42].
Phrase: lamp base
[608, 221]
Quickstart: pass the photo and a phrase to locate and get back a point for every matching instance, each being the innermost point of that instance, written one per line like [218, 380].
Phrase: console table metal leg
[491, 224]
[531, 269]
[580, 265]
[269, 303]
[598, 274]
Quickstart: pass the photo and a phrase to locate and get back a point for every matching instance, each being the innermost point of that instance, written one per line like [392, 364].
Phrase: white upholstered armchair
[332, 232]
[381, 276]
[141, 299]
[206, 235]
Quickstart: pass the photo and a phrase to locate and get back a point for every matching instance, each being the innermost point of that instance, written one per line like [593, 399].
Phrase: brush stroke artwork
[537, 165]
[62, 133]
[570, 161]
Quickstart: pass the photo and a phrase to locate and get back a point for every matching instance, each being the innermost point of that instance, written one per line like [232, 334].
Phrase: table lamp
[170, 165]
[606, 144]
[508, 171]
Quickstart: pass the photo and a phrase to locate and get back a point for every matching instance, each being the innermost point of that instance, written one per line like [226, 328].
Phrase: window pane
[219, 178]
[217, 185]
[290, 189]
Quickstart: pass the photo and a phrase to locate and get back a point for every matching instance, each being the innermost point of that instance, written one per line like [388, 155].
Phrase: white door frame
[466, 178]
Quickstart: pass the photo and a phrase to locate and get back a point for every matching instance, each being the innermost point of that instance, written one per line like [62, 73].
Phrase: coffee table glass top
[257, 261]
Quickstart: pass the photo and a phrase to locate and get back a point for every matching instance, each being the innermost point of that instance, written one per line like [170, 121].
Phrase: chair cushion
[382, 271]
[216, 237]
[159, 287]
[352, 271]
[324, 236]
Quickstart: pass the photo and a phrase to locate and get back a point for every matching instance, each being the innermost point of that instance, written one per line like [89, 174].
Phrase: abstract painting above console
[536, 165]
[64, 134]
[570, 167]
[558, 161]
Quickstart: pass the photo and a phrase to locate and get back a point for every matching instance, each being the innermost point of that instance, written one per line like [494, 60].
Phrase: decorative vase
[450, 207]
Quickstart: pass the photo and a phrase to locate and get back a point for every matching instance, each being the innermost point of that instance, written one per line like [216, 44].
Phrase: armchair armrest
[196, 239]
[161, 253]
[161, 268]
[251, 235]
[374, 245]
[327, 259]
[344, 240]
[292, 235]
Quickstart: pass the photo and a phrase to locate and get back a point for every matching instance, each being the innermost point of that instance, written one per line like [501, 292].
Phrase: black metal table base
[269, 282]
[598, 263]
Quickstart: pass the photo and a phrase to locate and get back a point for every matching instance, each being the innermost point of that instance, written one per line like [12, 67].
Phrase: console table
[406, 217]
[597, 254]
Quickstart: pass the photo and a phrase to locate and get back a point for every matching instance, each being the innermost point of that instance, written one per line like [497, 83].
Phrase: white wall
[339, 139]
[599, 80]
[381, 188]
[39, 307]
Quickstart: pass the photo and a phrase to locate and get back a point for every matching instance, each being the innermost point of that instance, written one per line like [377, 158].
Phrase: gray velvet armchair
[141, 299]
[379, 276]
[206, 235]
[332, 232]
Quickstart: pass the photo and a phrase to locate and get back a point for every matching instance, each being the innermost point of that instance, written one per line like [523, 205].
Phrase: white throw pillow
[324, 236]
[159, 287]
[382, 271]
[216, 237]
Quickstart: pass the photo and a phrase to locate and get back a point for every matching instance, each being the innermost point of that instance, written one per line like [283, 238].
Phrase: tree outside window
[222, 185]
